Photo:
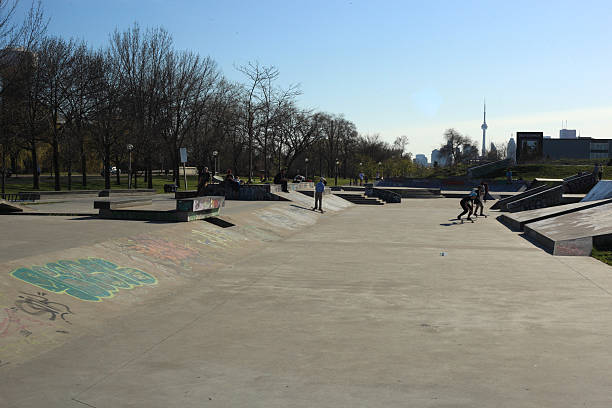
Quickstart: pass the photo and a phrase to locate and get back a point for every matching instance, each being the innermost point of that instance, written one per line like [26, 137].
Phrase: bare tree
[254, 100]
[55, 60]
[400, 144]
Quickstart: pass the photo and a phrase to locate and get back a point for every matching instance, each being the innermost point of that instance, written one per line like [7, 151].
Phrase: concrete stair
[359, 199]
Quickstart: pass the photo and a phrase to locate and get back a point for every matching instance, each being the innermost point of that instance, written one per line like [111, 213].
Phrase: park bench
[21, 196]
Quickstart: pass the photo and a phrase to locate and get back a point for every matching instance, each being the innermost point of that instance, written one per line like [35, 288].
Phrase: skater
[467, 205]
[486, 190]
[478, 201]
[319, 189]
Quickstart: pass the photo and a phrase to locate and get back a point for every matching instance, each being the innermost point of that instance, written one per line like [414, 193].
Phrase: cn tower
[484, 131]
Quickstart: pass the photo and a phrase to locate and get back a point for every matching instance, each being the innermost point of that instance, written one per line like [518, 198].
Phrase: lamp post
[306, 161]
[337, 164]
[380, 176]
[215, 154]
[129, 149]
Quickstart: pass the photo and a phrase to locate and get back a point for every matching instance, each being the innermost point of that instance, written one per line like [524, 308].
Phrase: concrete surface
[391, 306]
[600, 191]
[575, 233]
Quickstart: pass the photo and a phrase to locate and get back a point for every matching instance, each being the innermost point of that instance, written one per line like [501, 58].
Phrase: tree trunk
[107, 183]
[3, 169]
[149, 172]
[56, 168]
[83, 162]
[118, 178]
[69, 174]
[35, 169]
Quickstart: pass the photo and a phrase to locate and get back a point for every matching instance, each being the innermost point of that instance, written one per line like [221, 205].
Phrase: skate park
[268, 303]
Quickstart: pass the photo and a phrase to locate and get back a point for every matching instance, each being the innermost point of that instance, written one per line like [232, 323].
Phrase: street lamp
[337, 164]
[306, 161]
[215, 154]
[130, 147]
[379, 171]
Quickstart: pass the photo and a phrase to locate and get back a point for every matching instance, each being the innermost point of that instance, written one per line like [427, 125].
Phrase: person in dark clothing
[478, 201]
[230, 181]
[203, 180]
[281, 179]
[486, 190]
[600, 172]
[467, 204]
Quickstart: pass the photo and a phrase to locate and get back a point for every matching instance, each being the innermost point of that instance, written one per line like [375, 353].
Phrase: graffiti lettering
[37, 305]
[161, 249]
[12, 323]
[215, 239]
[86, 279]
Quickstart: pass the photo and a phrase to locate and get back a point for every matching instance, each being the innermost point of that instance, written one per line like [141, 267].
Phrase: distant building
[567, 134]
[420, 159]
[533, 146]
[436, 157]
[511, 150]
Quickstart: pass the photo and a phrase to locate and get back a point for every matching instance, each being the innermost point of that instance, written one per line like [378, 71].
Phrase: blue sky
[397, 67]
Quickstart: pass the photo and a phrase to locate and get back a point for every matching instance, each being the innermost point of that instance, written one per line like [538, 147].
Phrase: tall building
[420, 159]
[484, 131]
[511, 150]
[567, 134]
[436, 157]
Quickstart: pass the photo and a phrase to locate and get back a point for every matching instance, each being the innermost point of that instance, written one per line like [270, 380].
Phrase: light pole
[129, 149]
[360, 173]
[337, 164]
[306, 161]
[380, 176]
[215, 154]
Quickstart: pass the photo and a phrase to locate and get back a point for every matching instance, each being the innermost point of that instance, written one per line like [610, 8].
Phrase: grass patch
[603, 255]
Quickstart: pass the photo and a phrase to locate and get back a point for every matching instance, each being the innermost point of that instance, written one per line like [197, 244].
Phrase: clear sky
[397, 67]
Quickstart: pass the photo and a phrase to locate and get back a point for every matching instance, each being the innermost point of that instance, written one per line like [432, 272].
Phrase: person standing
[319, 189]
[509, 176]
[281, 179]
[478, 201]
[361, 178]
[203, 181]
[600, 172]
[486, 190]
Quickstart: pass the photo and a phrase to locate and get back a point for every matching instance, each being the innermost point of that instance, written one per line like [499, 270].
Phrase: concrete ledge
[108, 193]
[502, 204]
[163, 216]
[114, 205]
[546, 198]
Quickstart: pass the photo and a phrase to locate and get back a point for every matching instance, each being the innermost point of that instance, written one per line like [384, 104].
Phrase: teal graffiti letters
[87, 279]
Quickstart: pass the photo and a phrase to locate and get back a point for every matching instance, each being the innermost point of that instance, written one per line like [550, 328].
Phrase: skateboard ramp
[574, 234]
[601, 191]
[517, 221]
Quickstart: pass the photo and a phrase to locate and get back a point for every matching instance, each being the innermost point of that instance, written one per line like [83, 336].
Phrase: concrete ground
[385, 306]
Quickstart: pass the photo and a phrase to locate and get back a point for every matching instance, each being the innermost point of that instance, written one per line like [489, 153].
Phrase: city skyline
[397, 68]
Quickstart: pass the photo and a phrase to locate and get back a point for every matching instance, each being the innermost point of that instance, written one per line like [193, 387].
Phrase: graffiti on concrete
[37, 305]
[160, 249]
[91, 279]
[13, 323]
[217, 239]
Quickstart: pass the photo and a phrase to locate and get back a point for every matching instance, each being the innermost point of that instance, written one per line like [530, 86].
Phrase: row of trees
[85, 107]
